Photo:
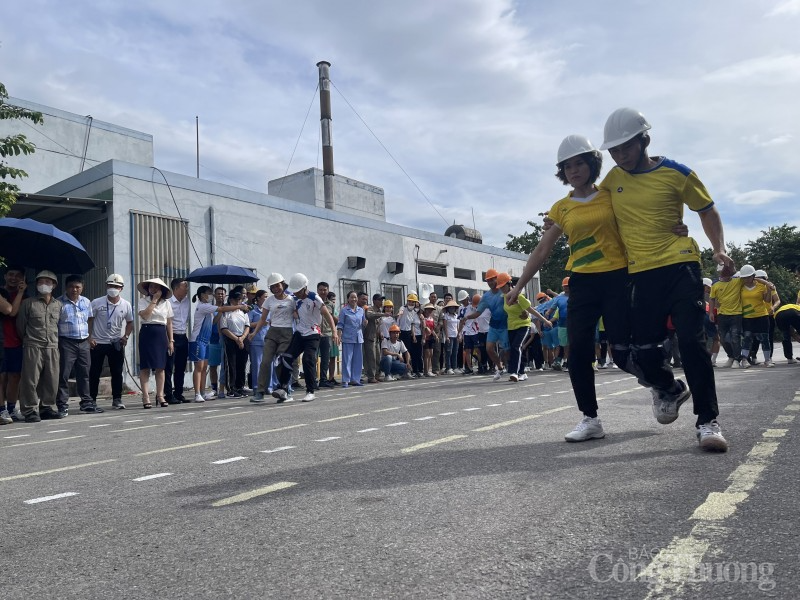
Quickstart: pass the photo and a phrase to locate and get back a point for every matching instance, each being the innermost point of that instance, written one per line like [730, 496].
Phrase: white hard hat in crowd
[115, 279]
[47, 275]
[463, 295]
[737, 275]
[747, 271]
[297, 282]
[623, 124]
[273, 279]
[761, 273]
[707, 282]
[574, 145]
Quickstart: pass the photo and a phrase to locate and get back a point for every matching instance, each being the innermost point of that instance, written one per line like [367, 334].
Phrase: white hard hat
[273, 279]
[707, 282]
[297, 282]
[115, 279]
[761, 273]
[573, 145]
[47, 275]
[747, 271]
[463, 295]
[623, 124]
[736, 275]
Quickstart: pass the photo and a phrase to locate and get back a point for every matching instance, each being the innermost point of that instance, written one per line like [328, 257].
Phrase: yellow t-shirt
[647, 205]
[753, 304]
[518, 315]
[728, 295]
[594, 242]
[788, 307]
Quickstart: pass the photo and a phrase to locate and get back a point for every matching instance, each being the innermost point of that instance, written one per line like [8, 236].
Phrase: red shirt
[11, 338]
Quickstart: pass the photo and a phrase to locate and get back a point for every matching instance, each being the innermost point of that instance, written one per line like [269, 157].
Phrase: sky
[454, 107]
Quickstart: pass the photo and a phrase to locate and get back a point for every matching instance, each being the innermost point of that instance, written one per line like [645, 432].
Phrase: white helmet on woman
[297, 282]
[273, 279]
[624, 124]
[574, 145]
[761, 273]
[747, 271]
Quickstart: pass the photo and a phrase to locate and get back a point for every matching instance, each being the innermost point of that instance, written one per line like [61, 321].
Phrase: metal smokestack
[325, 122]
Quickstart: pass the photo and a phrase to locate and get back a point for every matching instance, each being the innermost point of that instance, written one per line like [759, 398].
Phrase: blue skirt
[153, 347]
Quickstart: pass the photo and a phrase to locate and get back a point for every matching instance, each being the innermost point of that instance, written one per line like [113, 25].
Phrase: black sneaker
[48, 413]
[118, 404]
[32, 418]
[174, 400]
[85, 407]
[63, 411]
[95, 409]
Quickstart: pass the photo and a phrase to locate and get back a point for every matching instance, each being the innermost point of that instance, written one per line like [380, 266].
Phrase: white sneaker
[744, 364]
[791, 361]
[497, 375]
[513, 377]
[731, 364]
[667, 404]
[5, 417]
[309, 397]
[768, 364]
[431, 374]
[210, 396]
[588, 428]
[710, 437]
[390, 378]
[199, 398]
[523, 377]
[451, 372]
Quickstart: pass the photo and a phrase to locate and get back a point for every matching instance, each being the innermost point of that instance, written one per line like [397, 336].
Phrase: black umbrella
[29, 243]
[222, 274]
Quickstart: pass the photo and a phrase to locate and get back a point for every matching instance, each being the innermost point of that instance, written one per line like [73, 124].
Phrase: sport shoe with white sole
[667, 404]
[523, 377]
[513, 377]
[710, 437]
[5, 418]
[744, 364]
[497, 376]
[280, 394]
[199, 398]
[118, 404]
[729, 364]
[791, 361]
[588, 428]
[309, 397]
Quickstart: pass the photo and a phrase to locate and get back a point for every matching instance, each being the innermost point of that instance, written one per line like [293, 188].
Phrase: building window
[432, 268]
[464, 273]
[395, 293]
[351, 285]
[159, 246]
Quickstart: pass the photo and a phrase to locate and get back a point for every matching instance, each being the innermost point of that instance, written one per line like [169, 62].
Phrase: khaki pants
[39, 379]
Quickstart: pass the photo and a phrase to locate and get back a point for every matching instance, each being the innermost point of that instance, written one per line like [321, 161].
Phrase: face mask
[44, 288]
[112, 292]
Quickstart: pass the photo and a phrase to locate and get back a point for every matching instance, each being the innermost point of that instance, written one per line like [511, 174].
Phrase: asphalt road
[453, 487]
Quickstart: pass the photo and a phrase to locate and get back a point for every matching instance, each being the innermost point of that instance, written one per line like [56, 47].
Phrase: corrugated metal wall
[94, 238]
[159, 247]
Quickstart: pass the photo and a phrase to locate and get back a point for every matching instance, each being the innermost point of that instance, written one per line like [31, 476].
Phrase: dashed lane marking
[225, 461]
[58, 431]
[233, 414]
[387, 409]
[103, 425]
[49, 498]
[11, 437]
[424, 418]
[774, 433]
[135, 421]
[793, 407]
[279, 449]
[149, 477]
[195, 445]
[498, 391]
[422, 403]
[520, 419]
[367, 430]
[73, 437]
[462, 397]
[58, 470]
[328, 439]
[494, 405]
[147, 426]
[245, 496]
[470, 409]
[516, 401]
[783, 419]
[398, 424]
[424, 445]
[447, 414]
[340, 418]
[278, 429]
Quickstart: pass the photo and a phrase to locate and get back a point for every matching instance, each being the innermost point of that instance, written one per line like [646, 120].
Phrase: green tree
[552, 271]
[13, 145]
[776, 246]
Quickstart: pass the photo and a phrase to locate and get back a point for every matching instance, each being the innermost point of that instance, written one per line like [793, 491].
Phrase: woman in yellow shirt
[755, 315]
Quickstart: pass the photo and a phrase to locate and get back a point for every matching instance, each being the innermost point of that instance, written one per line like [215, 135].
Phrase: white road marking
[228, 460]
[280, 449]
[58, 431]
[163, 417]
[134, 421]
[367, 430]
[469, 409]
[494, 405]
[103, 425]
[543, 396]
[48, 498]
[424, 418]
[516, 401]
[397, 424]
[254, 493]
[213, 410]
[149, 477]
[11, 437]
[446, 414]
[328, 439]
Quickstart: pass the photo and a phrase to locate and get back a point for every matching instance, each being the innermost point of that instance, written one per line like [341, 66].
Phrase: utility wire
[291, 158]
[414, 183]
[185, 224]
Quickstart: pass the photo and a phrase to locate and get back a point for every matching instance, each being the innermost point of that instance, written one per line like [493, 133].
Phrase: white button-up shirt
[180, 314]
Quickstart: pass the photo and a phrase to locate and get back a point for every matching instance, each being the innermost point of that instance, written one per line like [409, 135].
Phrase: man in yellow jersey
[755, 314]
[772, 306]
[647, 196]
[725, 309]
[787, 320]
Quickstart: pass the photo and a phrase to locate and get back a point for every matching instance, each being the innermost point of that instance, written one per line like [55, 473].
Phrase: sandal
[162, 401]
[146, 402]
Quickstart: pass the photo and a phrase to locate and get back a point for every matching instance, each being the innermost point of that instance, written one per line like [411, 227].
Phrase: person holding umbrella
[155, 336]
[37, 325]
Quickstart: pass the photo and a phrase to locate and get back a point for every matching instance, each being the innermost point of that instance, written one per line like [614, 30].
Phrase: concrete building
[139, 222]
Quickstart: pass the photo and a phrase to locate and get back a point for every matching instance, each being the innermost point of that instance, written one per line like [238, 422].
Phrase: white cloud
[789, 7]
[759, 197]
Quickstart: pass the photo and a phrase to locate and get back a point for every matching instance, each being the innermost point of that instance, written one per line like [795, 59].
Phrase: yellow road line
[783, 419]
[774, 433]
[507, 423]
[340, 418]
[278, 429]
[793, 407]
[230, 414]
[36, 473]
[444, 440]
[243, 497]
[195, 445]
[72, 437]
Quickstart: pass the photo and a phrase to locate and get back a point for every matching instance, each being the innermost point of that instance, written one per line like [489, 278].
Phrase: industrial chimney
[327, 129]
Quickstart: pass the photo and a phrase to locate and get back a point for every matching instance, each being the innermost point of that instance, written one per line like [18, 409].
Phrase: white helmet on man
[707, 281]
[297, 282]
[761, 273]
[747, 271]
[623, 124]
[574, 145]
[273, 279]
[463, 295]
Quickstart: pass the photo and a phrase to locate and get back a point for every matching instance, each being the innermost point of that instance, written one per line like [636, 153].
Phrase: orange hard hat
[542, 296]
[502, 279]
[394, 328]
[565, 281]
[490, 274]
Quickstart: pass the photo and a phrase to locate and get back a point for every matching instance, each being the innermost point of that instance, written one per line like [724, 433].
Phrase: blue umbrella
[222, 274]
[29, 243]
